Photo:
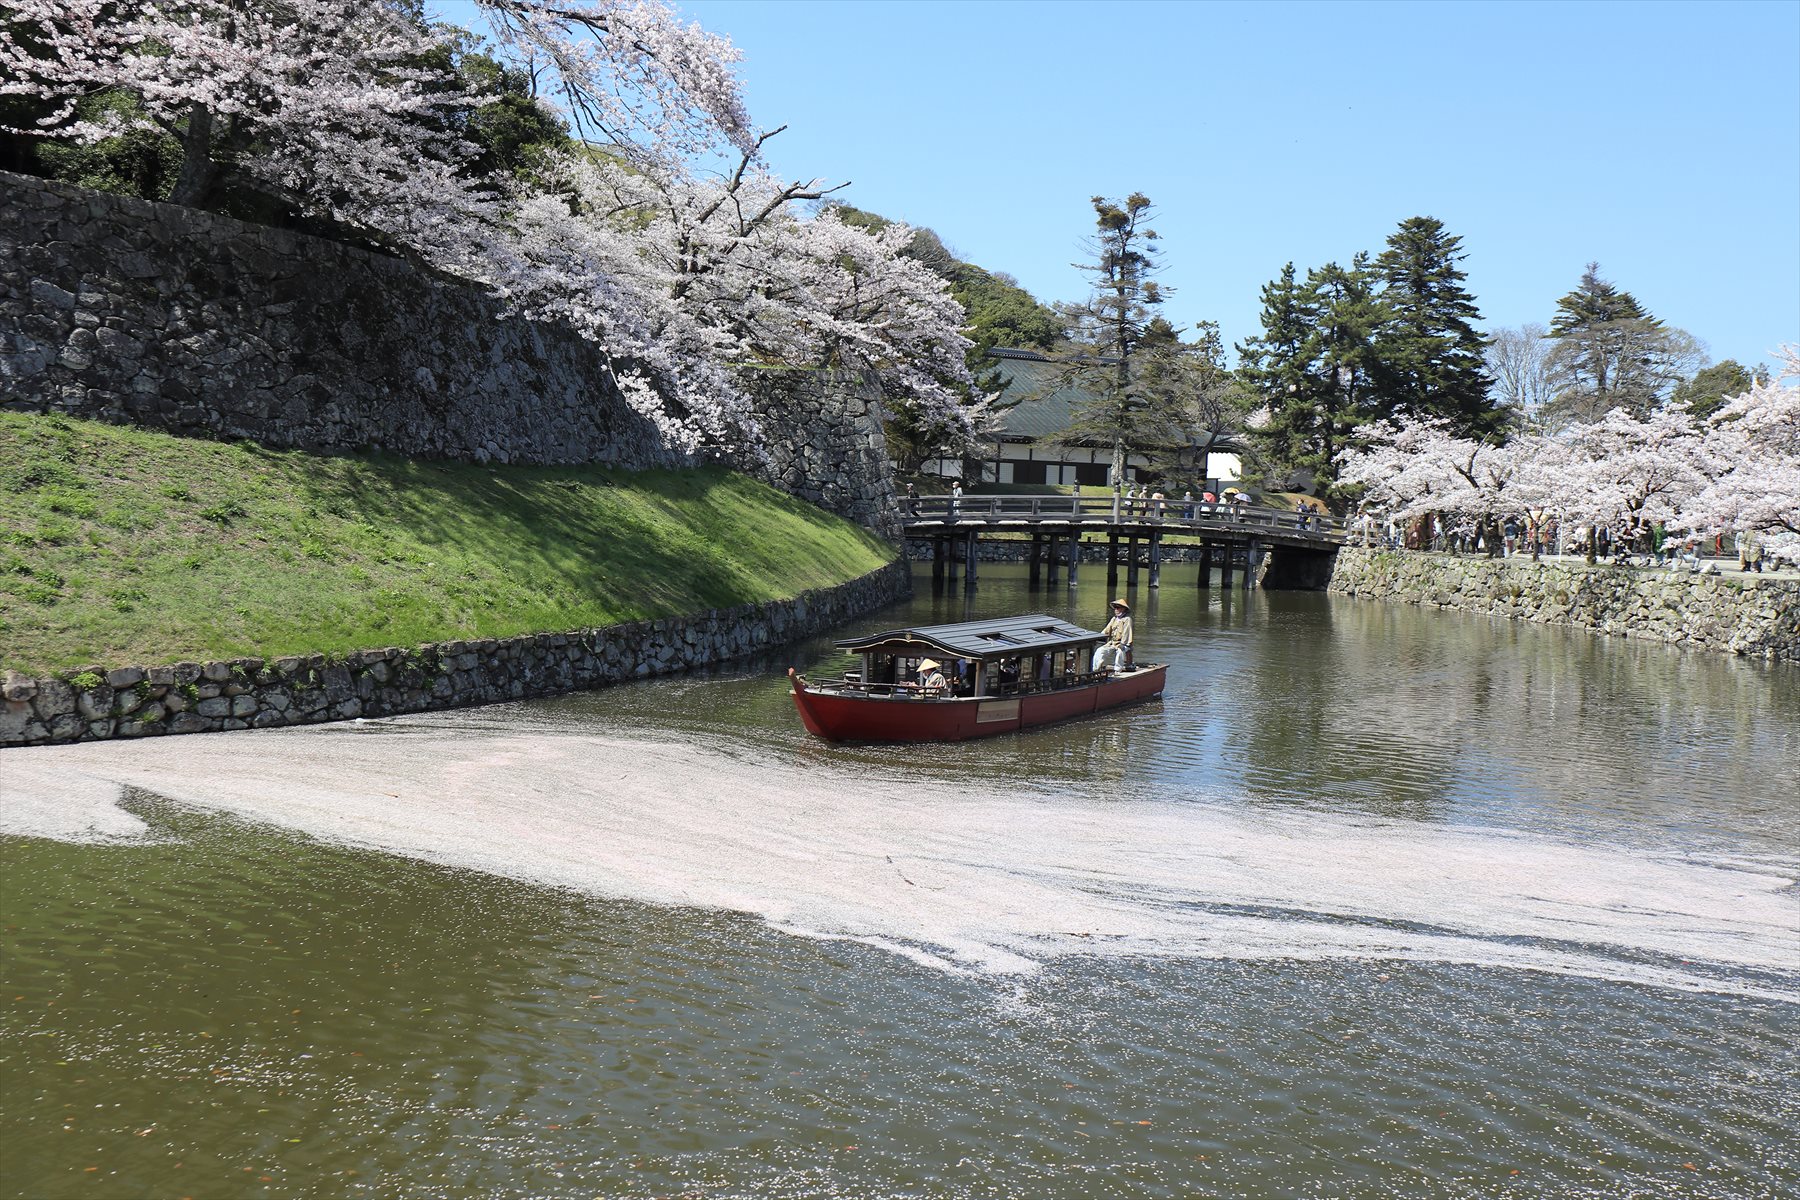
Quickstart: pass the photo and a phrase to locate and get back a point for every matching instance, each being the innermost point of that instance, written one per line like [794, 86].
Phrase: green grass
[121, 546]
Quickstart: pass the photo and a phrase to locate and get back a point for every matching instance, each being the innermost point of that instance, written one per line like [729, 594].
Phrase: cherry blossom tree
[1418, 468]
[731, 272]
[1750, 449]
[1621, 472]
[344, 110]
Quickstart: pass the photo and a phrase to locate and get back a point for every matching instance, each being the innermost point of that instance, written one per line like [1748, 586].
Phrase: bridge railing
[1061, 509]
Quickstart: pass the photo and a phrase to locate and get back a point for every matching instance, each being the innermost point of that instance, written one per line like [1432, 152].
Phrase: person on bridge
[1114, 652]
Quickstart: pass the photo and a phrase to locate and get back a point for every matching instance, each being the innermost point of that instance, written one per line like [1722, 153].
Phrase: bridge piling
[1277, 550]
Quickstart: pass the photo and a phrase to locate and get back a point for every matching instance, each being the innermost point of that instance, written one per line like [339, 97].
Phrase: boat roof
[1000, 637]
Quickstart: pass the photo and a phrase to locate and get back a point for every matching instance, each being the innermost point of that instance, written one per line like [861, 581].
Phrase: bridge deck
[937, 516]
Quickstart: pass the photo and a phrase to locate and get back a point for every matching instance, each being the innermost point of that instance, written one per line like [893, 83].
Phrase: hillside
[121, 546]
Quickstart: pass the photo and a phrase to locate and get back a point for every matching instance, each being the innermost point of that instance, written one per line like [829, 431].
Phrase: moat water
[1376, 901]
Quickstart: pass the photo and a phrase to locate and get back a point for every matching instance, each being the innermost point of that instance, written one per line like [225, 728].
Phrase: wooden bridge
[1287, 549]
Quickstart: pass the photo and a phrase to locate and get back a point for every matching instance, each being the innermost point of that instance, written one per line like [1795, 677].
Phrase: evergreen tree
[1314, 368]
[1276, 368]
[1428, 353]
[1706, 392]
[1122, 344]
[1611, 353]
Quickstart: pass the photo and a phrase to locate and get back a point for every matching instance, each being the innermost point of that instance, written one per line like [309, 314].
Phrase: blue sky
[1662, 140]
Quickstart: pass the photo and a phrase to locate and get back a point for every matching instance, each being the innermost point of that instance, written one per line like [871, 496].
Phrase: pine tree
[1313, 367]
[1611, 353]
[1120, 338]
[1430, 358]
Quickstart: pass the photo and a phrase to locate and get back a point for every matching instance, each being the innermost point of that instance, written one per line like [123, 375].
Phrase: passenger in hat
[931, 678]
[1113, 653]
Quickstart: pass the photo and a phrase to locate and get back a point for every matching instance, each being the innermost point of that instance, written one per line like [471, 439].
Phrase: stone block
[243, 706]
[124, 677]
[216, 706]
[95, 703]
[53, 698]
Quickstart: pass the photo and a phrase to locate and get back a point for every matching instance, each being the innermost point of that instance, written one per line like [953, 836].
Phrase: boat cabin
[1006, 656]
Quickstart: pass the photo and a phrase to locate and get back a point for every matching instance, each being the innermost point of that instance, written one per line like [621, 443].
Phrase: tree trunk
[197, 167]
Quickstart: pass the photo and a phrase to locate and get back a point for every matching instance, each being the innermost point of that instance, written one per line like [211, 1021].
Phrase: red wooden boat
[1004, 675]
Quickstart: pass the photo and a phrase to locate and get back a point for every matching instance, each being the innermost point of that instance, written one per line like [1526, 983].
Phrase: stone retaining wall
[253, 693]
[1744, 614]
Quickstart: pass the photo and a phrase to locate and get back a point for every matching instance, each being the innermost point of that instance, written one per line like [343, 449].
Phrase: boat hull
[856, 718]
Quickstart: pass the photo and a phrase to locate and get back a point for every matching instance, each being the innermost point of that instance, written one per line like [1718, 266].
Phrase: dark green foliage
[141, 163]
[509, 127]
[1125, 352]
[1427, 359]
[1706, 392]
[1611, 352]
[1382, 339]
[1312, 370]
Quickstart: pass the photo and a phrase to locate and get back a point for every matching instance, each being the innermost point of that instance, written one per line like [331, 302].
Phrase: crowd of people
[1651, 546]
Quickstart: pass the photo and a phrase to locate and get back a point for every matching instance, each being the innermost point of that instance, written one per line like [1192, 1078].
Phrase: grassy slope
[124, 546]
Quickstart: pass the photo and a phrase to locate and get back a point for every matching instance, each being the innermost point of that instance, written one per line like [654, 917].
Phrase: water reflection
[1298, 930]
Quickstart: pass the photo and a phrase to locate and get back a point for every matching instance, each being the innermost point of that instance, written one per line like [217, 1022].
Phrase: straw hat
[930, 664]
[1120, 603]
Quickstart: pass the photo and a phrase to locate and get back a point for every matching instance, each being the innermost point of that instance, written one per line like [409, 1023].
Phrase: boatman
[931, 678]
[1112, 653]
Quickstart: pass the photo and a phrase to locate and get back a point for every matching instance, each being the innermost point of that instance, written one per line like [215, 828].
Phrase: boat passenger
[1113, 652]
[931, 678]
